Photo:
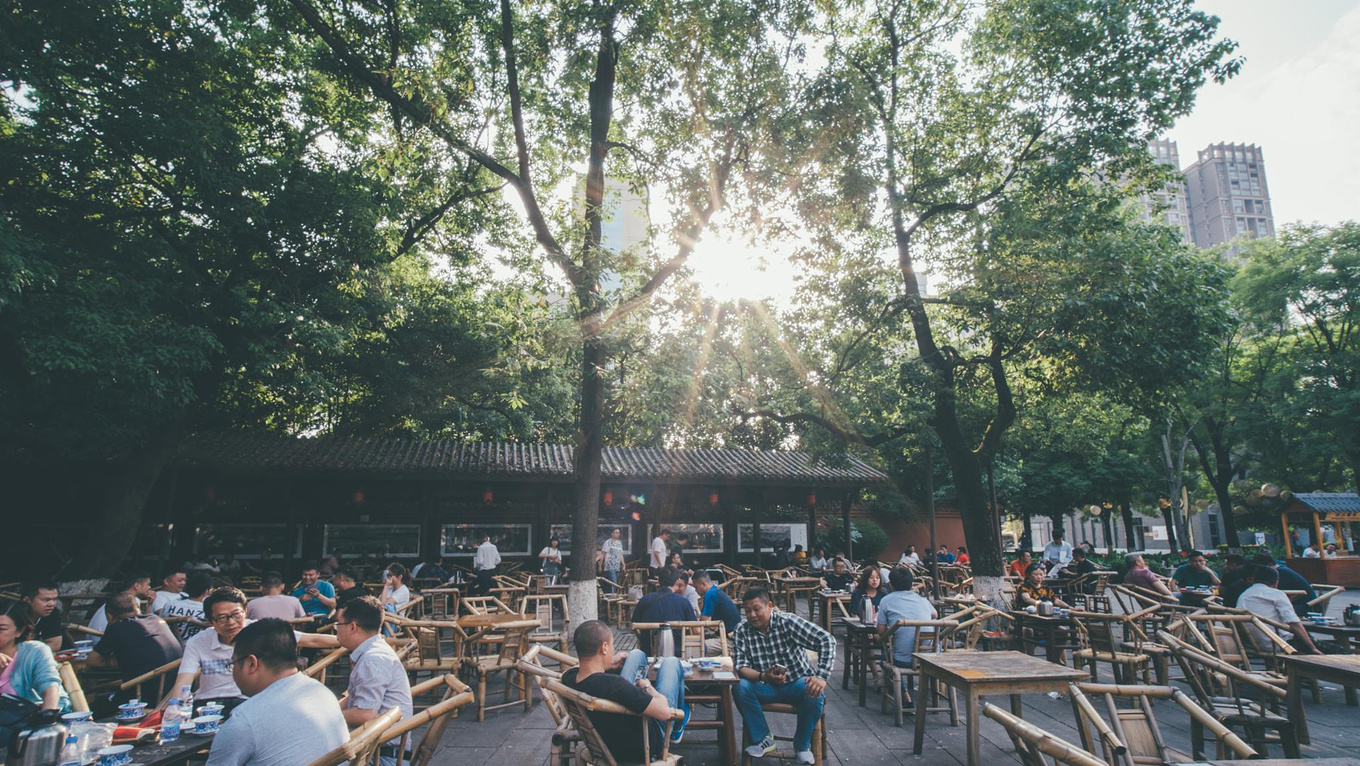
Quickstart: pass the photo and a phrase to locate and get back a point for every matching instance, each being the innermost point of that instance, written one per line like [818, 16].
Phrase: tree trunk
[118, 516]
[1169, 519]
[1131, 541]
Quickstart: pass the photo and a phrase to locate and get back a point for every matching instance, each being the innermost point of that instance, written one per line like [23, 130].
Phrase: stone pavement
[858, 735]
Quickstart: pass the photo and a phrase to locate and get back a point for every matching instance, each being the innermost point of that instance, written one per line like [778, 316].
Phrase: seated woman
[29, 670]
[395, 593]
[870, 586]
[1033, 590]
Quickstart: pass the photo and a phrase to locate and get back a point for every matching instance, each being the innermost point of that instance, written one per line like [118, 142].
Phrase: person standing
[377, 678]
[289, 719]
[551, 557]
[769, 654]
[611, 556]
[484, 564]
[658, 553]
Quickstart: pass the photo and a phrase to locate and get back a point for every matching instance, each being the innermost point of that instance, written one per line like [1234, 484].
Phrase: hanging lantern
[608, 497]
[1270, 490]
[1095, 510]
[637, 516]
[488, 497]
[713, 498]
[812, 498]
[359, 497]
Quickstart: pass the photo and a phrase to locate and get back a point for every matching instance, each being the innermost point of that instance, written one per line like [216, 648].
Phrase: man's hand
[816, 685]
[771, 677]
[617, 662]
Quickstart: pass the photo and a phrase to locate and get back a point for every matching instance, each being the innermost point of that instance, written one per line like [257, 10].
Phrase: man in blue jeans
[769, 652]
[621, 677]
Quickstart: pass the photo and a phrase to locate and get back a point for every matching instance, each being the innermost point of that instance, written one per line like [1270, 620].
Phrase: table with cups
[196, 736]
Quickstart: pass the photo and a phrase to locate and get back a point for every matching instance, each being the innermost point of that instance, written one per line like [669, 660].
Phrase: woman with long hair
[870, 586]
[28, 668]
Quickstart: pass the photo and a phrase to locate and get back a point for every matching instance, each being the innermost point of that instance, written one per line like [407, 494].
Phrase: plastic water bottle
[70, 752]
[170, 723]
[186, 702]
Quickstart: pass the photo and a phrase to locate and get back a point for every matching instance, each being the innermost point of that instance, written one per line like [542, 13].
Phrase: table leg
[1294, 702]
[1016, 706]
[1350, 696]
[973, 726]
[866, 651]
[849, 660]
[729, 718]
[1054, 653]
[919, 742]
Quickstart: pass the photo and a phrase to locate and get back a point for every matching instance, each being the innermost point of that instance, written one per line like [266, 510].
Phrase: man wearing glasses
[289, 719]
[377, 678]
[208, 654]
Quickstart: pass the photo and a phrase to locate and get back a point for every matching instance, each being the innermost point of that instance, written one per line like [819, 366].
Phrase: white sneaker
[805, 756]
[761, 748]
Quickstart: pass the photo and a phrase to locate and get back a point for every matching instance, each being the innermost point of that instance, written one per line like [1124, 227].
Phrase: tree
[679, 96]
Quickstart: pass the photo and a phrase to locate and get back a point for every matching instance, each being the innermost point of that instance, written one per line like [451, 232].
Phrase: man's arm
[812, 636]
[321, 596]
[317, 640]
[1301, 633]
[53, 643]
[97, 660]
[659, 708]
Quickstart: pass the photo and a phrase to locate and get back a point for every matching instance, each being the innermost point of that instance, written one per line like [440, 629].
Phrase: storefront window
[245, 540]
[563, 533]
[771, 536]
[355, 540]
[510, 539]
[703, 538]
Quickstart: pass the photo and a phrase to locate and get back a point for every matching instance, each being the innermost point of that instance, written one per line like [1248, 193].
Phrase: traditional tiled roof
[1330, 502]
[439, 459]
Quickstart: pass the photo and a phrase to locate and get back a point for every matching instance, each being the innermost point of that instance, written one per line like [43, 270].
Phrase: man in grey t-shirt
[273, 602]
[902, 604]
[377, 679]
[289, 719]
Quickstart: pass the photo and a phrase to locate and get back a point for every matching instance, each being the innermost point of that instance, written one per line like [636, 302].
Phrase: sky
[1298, 97]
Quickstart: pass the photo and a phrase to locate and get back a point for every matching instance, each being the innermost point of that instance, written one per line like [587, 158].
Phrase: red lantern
[713, 498]
[812, 498]
[358, 497]
[488, 497]
[637, 516]
[608, 497]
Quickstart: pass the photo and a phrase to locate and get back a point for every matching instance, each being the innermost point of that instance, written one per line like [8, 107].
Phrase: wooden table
[726, 722]
[859, 655]
[793, 586]
[983, 674]
[1055, 631]
[179, 751]
[1342, 633]
[1340, 669]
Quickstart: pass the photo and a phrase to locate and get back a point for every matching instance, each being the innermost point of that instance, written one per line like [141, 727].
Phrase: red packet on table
[146, 730]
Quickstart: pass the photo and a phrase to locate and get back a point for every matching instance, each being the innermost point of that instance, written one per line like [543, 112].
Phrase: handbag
[15, 711]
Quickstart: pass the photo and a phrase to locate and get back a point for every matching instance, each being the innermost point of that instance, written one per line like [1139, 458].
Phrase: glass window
[563, 533]
[772, 535]
[510, 539]
[703, 538]
[245, 540]
[355, 540]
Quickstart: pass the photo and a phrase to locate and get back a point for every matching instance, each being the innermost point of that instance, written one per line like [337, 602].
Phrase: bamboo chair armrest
[1205, 719]
[150, 674]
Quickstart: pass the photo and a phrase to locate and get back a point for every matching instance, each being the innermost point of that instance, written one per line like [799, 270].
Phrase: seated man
[1289, 580]
[317, 595]
[1021, 563]
[769, 653]
[622, 677]
[45, 612]
[172, 589]
[346, 587]
[903, 604]
[377, 678]
[197, 587]
[1194, 573]
[1080, 566]
[135, 643]
[272, 603]
[209, 654]
[840, 577]
[1232, 589]
[289, 719]
[1140, 575]
[667, 604]
[716, 604]
[137, 585]
[1264, 599]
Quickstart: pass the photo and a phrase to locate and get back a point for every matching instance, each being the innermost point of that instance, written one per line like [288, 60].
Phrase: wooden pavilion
[1321, 513]
[409, 500]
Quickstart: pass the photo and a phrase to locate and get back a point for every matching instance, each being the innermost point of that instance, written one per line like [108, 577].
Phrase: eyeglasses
[223, 619]
[339, 623]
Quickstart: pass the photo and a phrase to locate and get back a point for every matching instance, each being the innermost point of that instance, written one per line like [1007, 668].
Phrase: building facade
[1228, 195]
[1170, 205]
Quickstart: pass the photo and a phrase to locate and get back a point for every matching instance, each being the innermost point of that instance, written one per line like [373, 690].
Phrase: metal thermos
[1045, 608]
[38, 746]
[867, 614]
[666, 641]
[1351, 616]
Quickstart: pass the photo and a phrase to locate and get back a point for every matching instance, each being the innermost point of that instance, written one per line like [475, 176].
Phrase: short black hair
[171, 572]
[1078, 553]
[1191, 553]
[1263, 559]
[22, 615]
[669, 575]
[198, 584]
[364, 611]
[345, 572]
[224, 595]
[1236, 559]
[701, 574]
[271, 580]
[901, 578]
[120, 604]
[399, 571]
[30, 588]
[310, 566]
[271, 641]
[1032, 567]
[1266, 575]
[127, 582]
[590, 637]
[756, 593]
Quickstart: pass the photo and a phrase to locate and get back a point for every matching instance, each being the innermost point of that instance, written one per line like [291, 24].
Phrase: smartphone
[779, 670]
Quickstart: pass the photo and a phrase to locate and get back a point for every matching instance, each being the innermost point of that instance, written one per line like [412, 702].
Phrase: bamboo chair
[1136, 729]
[532, 664]
[456, 695]
[544, 608]
[413, 609]
[592, 748]
[932, 637]
[819, 739]
[427, 653]
[364, 742]
[71, 684]
[611, 595]
[1115, 639]
[1319, 604]
[514, 642]
[317, 670]
[443, 605]
[156, 684]
[1033, 743]
[1258, 719]
[484, 605]
[693, 637]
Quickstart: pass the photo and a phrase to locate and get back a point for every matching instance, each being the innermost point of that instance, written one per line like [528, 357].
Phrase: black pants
[485, 581]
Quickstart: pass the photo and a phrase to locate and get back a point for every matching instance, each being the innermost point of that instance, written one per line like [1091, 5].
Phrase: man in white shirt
[289, 719]
[1057, 553]
[377, 678]
[137, 585]
[909, 557]
[191, 606]
[1265, 600]
[1312, 552]
[659, 552]
[484, 563]
[208, 655]
[172, 590]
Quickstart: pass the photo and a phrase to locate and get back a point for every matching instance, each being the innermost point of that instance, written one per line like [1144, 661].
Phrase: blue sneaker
[678, 733]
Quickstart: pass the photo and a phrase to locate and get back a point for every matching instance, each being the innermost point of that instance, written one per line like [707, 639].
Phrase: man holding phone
[317, 595]
[769, 652]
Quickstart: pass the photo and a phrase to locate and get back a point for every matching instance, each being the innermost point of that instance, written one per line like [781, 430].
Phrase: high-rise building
[1169, 205]
[1228, 194]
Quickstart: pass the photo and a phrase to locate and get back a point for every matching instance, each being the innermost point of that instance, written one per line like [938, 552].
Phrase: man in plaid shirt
[769, 652]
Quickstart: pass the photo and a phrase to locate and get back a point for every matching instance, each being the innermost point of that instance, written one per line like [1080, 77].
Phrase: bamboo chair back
[456, 695]
[1136, 728]
[484, 605]
[531, 664]
[1033, 743]
[318, 669]
[155, 684]
[579, 706]
[71, 684]
[363, 744]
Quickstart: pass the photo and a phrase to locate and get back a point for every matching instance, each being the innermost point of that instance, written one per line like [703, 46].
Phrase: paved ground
[864, 736]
